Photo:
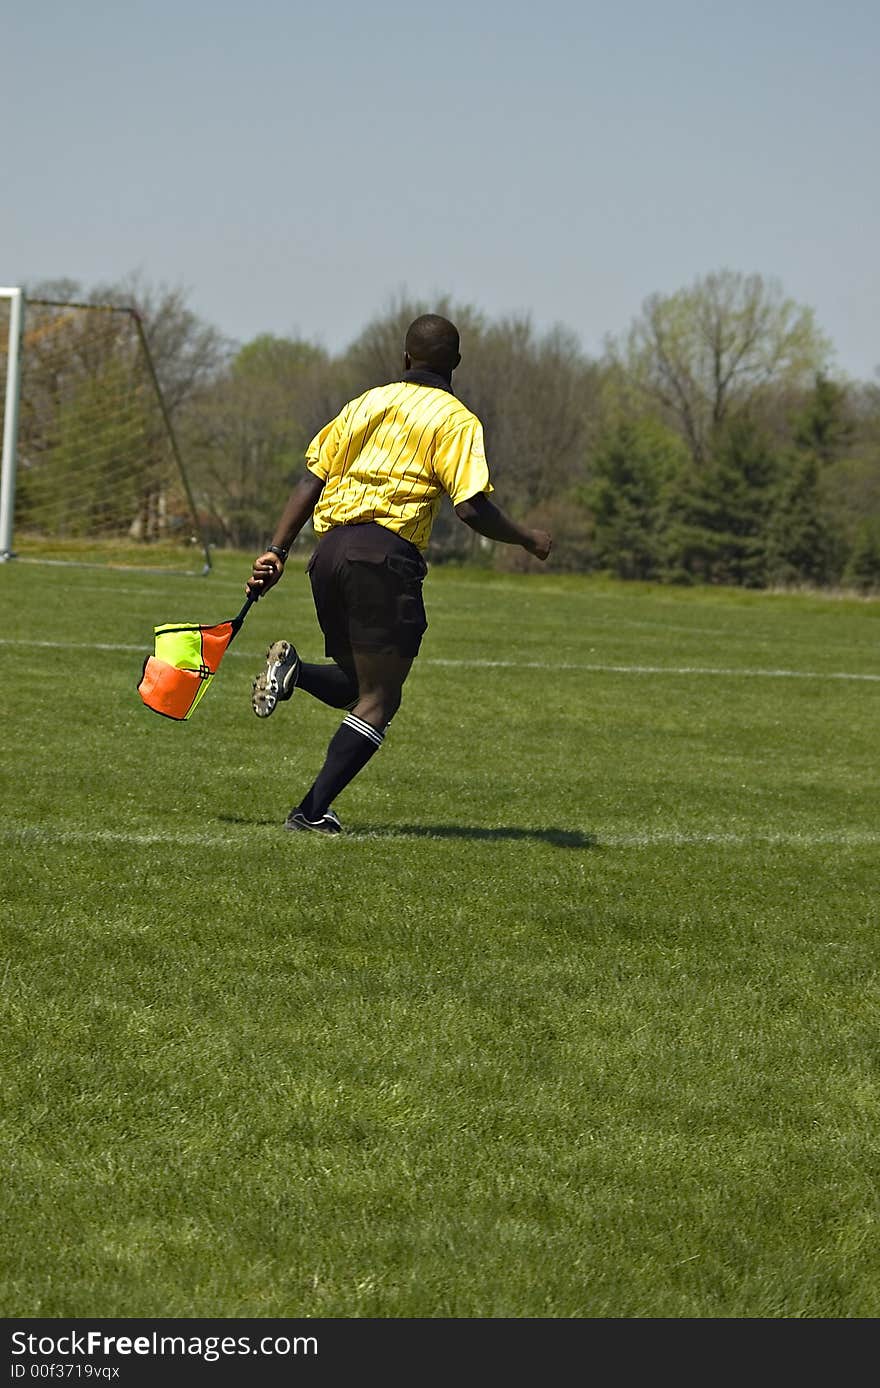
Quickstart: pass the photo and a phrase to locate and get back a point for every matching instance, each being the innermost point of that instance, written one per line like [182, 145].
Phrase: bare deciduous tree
[186, 352]
[534, 394]
[705, 352]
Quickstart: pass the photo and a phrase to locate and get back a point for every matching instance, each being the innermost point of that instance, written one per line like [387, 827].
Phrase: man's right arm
[487, 519]
[268, 567]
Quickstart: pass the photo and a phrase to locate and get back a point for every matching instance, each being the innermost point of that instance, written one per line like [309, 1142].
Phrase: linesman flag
[185, 660]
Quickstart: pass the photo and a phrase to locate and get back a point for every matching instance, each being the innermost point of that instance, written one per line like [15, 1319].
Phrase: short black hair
[433, 341]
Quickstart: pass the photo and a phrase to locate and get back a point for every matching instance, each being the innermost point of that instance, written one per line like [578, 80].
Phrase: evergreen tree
[632, 467]
[863, 569]
[800, 546]
[824, 428]
[717, 514]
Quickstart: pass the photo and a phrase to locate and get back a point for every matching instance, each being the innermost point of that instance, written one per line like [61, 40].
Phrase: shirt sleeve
[460, 463]
[322, 450]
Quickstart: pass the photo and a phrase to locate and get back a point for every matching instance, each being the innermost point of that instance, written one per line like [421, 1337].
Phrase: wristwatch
[277, 550]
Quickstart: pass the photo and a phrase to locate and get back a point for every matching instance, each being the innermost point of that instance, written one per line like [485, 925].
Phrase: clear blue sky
[295, 166]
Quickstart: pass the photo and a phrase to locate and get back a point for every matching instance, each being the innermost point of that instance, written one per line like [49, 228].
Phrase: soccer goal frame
[11, 404]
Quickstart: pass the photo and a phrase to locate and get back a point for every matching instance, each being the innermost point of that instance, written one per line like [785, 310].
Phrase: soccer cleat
[327, 823]
[277, 681]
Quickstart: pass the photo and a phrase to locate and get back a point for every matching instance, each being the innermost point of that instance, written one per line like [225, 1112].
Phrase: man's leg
[284, 672]
[380, 678]
[333, 684]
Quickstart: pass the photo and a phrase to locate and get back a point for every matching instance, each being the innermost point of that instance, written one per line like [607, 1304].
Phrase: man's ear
[407, 361]
[457, 360]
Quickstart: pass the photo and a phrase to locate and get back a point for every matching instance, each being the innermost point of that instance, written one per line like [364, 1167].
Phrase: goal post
[14, 298]
[91, 468]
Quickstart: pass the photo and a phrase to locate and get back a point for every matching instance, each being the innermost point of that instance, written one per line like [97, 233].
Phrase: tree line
[712, 442]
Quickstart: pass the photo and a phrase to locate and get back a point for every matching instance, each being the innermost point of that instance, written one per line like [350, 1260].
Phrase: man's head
[432, 344]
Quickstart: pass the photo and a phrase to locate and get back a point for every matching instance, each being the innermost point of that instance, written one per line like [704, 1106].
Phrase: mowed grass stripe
[648, 838]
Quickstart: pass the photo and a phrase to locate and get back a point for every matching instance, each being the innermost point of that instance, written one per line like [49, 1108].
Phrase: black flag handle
[239, 618]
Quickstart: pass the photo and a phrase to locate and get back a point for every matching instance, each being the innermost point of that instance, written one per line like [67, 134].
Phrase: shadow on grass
[252, 821]
[559, 838]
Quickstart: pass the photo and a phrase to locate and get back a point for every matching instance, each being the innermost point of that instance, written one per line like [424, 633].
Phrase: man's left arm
[487, 519]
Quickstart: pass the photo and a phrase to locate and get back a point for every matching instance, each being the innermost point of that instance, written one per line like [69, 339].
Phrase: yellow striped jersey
[389, 456]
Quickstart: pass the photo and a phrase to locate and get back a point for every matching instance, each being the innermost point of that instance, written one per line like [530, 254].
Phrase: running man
[376, 476]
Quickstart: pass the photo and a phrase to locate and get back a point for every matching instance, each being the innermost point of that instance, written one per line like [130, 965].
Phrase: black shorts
[367, 586]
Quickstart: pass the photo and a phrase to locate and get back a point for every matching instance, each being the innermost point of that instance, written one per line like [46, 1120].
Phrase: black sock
[329, 683]
[350, 749]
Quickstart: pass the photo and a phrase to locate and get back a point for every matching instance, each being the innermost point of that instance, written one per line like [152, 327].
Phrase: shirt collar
[427, 378]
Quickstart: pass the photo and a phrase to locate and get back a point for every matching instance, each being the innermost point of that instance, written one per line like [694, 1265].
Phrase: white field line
[676, 838]
[592, 668]
[659, 669]
[594, 620]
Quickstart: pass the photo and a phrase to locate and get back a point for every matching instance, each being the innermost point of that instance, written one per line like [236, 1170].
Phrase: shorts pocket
[410, 569]
[411, 611]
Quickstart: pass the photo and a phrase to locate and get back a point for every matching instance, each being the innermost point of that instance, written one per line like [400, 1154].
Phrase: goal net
[91, 467]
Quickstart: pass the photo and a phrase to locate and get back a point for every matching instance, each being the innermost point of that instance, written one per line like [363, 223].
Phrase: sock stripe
[358, 725]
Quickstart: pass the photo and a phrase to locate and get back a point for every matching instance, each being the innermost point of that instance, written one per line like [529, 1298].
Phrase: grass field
[579, 1018]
